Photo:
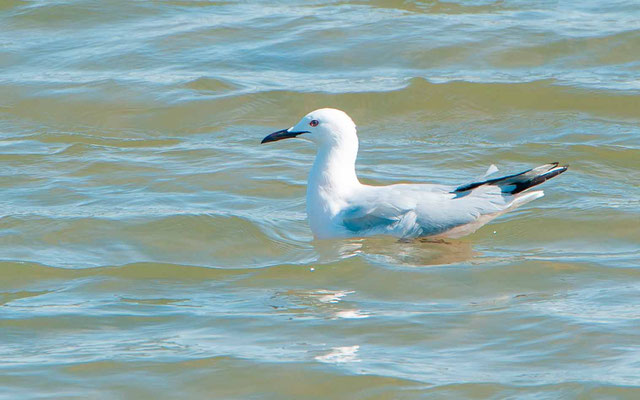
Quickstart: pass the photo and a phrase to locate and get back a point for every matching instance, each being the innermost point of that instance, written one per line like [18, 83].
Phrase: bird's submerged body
[338, 205]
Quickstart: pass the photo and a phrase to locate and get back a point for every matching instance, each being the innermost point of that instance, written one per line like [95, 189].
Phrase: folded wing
[411, 210]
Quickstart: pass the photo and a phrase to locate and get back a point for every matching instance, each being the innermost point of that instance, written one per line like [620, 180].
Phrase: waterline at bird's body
[338, 205]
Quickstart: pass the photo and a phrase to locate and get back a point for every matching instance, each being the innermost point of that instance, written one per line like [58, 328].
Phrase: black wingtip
[513, 184]
[551, 173]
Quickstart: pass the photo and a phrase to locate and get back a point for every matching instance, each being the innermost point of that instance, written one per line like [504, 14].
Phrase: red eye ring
[314, 122]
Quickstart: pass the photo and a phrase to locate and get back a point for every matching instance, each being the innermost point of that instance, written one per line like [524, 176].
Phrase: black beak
[283, 134]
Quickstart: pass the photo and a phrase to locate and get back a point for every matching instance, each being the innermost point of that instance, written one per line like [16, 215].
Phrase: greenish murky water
[151, 248]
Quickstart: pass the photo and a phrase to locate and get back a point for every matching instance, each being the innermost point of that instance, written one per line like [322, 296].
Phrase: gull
[339, 206]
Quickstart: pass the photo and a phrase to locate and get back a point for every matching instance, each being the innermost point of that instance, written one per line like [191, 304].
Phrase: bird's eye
[314, 122]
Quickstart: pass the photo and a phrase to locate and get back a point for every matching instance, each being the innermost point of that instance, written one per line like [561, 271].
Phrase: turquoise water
[150, 247]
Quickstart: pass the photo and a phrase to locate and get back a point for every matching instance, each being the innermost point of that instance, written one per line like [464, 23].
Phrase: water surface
[151, 248]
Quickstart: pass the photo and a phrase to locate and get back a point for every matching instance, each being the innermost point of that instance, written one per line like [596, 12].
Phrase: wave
[70, 239]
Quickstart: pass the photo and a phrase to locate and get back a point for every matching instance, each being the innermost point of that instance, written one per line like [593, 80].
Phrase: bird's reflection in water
[329, 302]
[421, 252]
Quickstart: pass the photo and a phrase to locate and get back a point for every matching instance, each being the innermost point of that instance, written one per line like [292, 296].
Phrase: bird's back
[411, 210]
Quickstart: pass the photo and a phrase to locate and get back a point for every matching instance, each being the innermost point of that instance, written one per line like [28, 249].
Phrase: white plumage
[338, 205]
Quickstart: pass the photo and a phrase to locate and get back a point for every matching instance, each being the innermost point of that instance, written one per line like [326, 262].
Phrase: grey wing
[392, 210]
[417, 210]
[360, 218]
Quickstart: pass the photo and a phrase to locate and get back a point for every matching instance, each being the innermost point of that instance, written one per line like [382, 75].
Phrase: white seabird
[338, 205]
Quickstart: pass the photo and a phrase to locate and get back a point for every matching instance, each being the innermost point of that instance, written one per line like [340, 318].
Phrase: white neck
[332, 181]
[334, 168]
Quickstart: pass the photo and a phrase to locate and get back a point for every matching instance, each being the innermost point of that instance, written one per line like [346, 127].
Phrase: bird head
[326, 126]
